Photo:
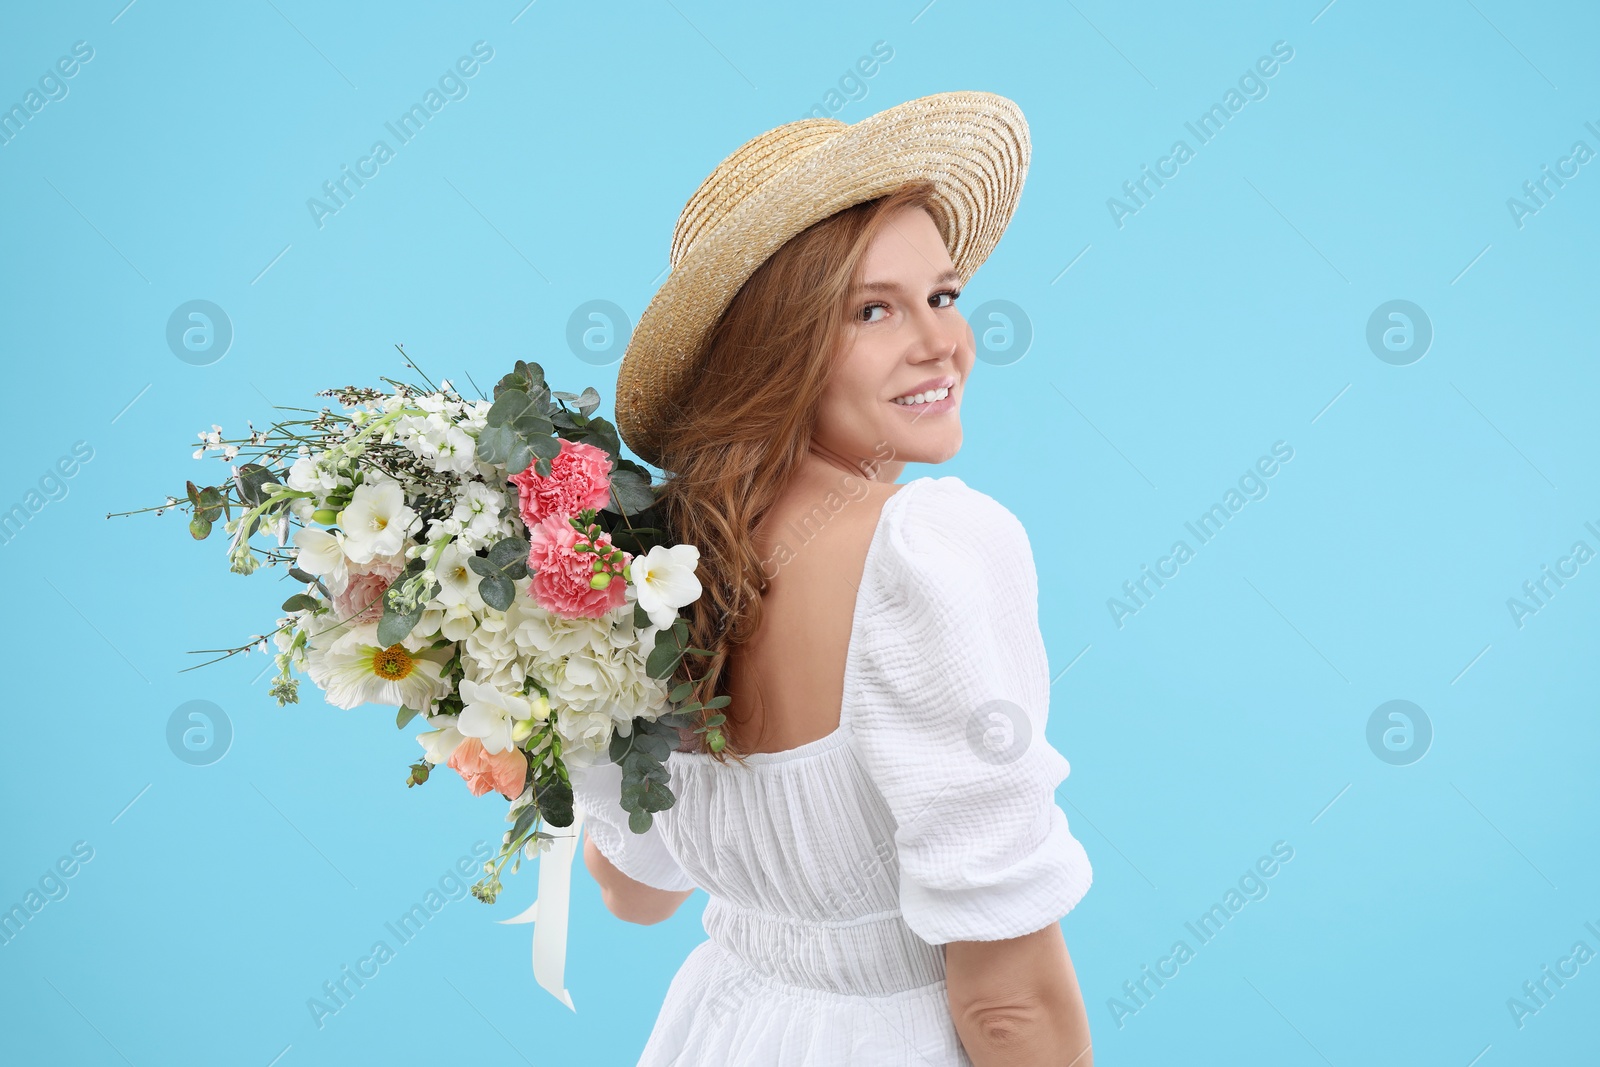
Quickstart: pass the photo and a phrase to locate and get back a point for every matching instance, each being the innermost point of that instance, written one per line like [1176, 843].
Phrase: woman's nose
[941, 332]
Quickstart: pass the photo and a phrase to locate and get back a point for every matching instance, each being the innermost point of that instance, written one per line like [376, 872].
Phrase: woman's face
[895, 392]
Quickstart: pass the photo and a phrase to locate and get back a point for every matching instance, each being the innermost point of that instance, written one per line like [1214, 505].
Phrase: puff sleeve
[949, 715]
[642, 857]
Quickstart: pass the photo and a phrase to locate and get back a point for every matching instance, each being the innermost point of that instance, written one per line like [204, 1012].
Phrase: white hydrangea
[606, 675]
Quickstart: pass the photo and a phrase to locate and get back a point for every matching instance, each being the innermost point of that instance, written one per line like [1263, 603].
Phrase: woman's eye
[866, 312]
[952, 294]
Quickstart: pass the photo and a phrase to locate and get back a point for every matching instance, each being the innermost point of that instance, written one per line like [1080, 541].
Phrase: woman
[886, 863]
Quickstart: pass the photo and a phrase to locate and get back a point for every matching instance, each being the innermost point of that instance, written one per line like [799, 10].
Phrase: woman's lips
[932, 407]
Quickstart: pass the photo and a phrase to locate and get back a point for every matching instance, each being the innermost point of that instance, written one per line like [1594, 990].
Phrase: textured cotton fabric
[838, 869]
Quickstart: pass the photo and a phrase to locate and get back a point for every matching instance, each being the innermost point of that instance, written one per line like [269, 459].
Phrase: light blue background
[1228, 314]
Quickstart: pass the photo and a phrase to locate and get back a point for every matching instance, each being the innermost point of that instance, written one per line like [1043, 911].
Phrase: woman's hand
[1016, 1002]
[628, 900]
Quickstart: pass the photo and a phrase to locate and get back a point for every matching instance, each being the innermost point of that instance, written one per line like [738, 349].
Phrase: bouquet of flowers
[492, 566]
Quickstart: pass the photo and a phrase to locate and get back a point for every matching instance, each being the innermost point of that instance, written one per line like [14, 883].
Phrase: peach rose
[361, 598]
[503, 772]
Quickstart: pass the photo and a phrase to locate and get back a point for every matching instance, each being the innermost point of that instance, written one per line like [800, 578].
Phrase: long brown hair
[737, 433]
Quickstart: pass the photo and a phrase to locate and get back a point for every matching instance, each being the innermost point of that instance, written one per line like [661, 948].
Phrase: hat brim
[973, 147]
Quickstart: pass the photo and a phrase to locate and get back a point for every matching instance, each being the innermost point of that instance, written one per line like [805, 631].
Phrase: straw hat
[972, 146]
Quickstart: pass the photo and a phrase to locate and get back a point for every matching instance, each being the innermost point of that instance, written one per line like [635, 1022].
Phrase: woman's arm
[1016, 1002]
[629, 900]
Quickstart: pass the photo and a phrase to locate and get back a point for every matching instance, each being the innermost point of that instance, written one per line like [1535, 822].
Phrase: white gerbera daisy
[353, 669]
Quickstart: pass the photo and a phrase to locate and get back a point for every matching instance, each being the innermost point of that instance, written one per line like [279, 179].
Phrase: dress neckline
[838, 734]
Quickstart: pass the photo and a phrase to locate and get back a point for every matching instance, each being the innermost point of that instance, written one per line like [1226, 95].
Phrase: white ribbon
[548, 913]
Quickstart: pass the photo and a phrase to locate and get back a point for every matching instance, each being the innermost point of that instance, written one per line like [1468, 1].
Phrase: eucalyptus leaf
[544, 446]
[585, 403]
[310, 579]
[602, 434]
[393, 626]
[630, 492]
[495, 444]
[530, 424]
[497, 591]
[508, 406]
[405, 715]
[509, 555]
[199, 527]
[663, 659]
[520, 455]
[302, 602]
[252, 480]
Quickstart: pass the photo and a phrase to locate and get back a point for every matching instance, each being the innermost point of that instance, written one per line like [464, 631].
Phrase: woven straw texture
[972, 146]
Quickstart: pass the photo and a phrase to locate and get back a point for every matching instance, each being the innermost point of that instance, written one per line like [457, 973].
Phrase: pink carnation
[579, 478]
[503, 771]
[361, 599]
[561, 573]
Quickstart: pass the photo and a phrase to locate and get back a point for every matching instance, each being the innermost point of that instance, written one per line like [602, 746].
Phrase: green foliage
[310, 579]
[208, 505]
[397, 621]
[252, 481]
[518, 429]
[553, 797]
[672, 643]
[630, 492]
[506, 562]
[642, 756]
[585, 403]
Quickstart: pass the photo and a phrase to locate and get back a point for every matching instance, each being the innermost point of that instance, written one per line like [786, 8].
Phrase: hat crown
[745, 170]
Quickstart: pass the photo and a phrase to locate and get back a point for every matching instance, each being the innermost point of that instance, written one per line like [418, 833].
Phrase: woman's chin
[929, 447]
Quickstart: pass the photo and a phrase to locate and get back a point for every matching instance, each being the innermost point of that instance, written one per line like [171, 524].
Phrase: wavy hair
[737, 432]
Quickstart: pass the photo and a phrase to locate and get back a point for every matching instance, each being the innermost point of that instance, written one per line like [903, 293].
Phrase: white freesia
[441, 743]
[458, 582]
[322, 553]
[664, 581]
[490, 714]
[377, 522]
[307, 476]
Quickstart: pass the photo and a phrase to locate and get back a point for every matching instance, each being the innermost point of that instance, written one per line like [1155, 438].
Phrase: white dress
[837, 870]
